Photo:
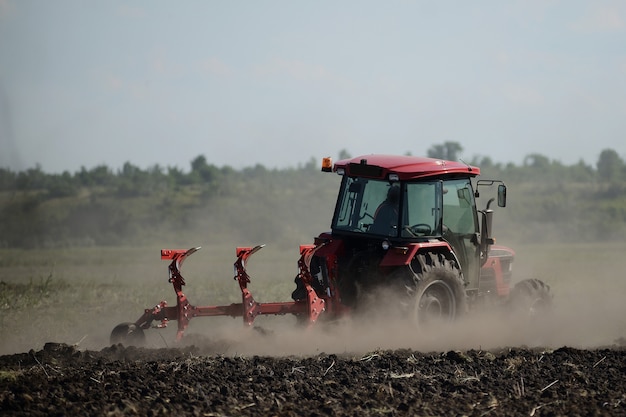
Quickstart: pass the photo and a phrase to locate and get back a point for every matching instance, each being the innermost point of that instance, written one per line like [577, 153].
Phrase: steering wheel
[420, 229]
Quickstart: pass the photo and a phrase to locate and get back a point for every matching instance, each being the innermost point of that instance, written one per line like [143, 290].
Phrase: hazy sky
[278, 82]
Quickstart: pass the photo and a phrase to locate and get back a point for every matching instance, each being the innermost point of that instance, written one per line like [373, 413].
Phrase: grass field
[77, 296]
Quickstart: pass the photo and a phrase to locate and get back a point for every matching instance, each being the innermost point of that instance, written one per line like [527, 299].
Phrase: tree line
[100, 206]
[132, 181]
[129, 181]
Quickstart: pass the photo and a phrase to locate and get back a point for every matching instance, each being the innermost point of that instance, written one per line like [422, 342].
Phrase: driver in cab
[386, 216]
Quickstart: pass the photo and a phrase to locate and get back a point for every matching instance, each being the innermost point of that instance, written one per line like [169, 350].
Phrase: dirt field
[61, 380]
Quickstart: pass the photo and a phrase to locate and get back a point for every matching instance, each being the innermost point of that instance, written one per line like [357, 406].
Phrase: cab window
[367, 206]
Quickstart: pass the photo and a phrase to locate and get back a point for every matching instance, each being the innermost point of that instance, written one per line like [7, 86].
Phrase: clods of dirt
[118, 380]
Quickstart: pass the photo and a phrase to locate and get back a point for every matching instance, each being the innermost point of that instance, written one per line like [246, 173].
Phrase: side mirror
[501, 195]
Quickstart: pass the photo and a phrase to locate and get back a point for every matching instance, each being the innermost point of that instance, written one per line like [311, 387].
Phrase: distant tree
[610, 165]
[129, 170]
[344, 154]
[482, 161]
[258, 170]
[203, 172]
[177, 176]
[448, 151]
[227, 170]
[83, 177]
[581, 172]
[100, 175]
[7, 179]
[132, 181]
[536, 160]
[63, 185]
[198, 163]
[31, 179]
[156, 171]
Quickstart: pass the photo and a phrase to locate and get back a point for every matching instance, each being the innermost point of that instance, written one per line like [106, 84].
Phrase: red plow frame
[248, 309]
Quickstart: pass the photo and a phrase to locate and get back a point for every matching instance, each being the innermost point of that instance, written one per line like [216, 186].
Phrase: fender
[331, 248]
[403, 255]
[499, 261]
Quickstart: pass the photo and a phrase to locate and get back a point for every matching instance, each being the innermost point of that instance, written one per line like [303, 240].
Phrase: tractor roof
[406, 167]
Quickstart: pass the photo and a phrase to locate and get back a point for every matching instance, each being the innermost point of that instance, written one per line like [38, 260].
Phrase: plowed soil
[62, 380]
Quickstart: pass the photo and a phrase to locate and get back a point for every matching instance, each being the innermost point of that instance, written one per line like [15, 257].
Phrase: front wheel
[438, 291]
[128, 334]
[530, 297]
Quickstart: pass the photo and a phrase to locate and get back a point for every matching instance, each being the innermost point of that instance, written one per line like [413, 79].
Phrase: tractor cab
[403, 200]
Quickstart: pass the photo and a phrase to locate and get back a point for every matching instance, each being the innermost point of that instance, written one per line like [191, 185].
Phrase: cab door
[460, 227]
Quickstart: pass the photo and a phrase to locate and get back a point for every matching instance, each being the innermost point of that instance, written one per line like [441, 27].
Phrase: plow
[160, 315]
[407, 224]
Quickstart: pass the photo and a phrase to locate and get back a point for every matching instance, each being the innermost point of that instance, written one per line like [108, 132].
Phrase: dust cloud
[587, 312]
[586, 281]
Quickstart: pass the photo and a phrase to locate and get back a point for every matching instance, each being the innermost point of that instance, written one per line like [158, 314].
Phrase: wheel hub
[436, 303]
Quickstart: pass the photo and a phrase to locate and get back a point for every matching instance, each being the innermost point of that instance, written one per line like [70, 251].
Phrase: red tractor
[405, 224]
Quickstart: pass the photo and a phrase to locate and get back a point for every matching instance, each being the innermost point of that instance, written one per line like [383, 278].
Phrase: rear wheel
[128, 334]
[437, 293]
